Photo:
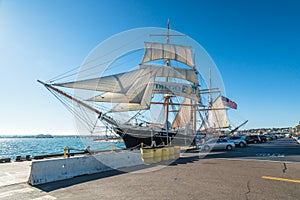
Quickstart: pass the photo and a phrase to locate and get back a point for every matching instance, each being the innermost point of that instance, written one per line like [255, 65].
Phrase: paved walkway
[14, 173]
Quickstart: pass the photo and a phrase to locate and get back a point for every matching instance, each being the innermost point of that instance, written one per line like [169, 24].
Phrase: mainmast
[193, 103]
[210, 86]
[167, 96]
[167, 62]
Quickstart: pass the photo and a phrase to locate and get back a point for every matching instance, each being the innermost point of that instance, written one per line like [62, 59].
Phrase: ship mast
[167, 62]
[210, 86]
[168, 96]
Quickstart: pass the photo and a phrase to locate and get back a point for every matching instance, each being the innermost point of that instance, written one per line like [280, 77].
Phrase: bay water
[10, 147]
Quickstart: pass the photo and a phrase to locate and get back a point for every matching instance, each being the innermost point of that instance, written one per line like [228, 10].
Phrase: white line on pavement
[246, 159]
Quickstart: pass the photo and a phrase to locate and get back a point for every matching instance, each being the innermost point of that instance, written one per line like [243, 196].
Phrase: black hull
[132, 141]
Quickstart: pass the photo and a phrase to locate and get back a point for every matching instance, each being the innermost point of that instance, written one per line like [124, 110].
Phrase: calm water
[12, 147]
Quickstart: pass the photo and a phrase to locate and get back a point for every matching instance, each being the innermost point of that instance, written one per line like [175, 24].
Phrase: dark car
[252, 139]
[263, 138]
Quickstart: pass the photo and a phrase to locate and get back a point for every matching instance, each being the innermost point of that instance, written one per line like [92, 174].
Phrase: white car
[238, 141]
[217, 143]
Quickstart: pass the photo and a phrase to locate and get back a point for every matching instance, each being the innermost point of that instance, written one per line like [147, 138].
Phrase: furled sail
[156, 51]
[183, 118]
[217, 117]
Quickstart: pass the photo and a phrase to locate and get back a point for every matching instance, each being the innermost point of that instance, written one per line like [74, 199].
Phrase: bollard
[65, 152]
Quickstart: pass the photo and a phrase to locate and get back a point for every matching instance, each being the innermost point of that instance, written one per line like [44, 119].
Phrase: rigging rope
[63, 75]
[68, 106]
[90, 68]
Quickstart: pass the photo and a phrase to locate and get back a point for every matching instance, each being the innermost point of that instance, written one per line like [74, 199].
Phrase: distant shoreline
[54, 136]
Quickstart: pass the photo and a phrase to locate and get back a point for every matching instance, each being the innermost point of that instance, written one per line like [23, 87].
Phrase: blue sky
[255, 45]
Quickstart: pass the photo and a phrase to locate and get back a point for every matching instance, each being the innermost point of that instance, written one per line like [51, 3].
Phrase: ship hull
[133, 140]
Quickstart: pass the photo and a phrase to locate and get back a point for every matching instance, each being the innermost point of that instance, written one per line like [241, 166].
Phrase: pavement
[282, 150]
[14, 173]
[264, 171]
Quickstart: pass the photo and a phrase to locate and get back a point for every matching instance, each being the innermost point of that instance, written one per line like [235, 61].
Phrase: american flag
[227, 102]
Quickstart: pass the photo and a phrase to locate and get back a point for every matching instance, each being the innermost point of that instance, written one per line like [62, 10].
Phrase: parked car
[199, 138]
[263, 138]
[238, 141]
[298, 140]
[269, 138]
[274, 137]
[217, 143]
[295, 137]
[252, 139]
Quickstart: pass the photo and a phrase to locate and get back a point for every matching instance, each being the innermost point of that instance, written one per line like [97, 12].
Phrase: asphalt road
[264, 171]
[283, 149]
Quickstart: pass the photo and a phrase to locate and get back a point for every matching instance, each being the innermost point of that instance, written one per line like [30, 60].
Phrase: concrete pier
[14, 172]
[50, 170]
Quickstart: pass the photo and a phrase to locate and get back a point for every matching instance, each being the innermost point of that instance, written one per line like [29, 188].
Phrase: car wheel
[228, 147]
[206, 148]
[242, 144]
[255, 141]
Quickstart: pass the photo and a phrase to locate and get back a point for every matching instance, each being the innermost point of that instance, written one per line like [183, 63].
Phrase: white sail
[156, 51]
[177, 89]
[133, 94]
[123, 107]
[183, 118]
[175, 72]
[144, 100]
[217, 117]
[111, 97]
[139, 81]
[120, 83]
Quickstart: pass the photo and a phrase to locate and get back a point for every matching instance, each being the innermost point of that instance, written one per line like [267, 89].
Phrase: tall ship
[162, 100]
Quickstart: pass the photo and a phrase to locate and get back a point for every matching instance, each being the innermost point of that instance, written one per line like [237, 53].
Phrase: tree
[298, 126]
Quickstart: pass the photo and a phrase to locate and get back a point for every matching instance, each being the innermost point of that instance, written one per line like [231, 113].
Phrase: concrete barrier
[45, 171]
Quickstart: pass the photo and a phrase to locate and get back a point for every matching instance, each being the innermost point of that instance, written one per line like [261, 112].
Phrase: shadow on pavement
[48, 187]
[185, 160]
